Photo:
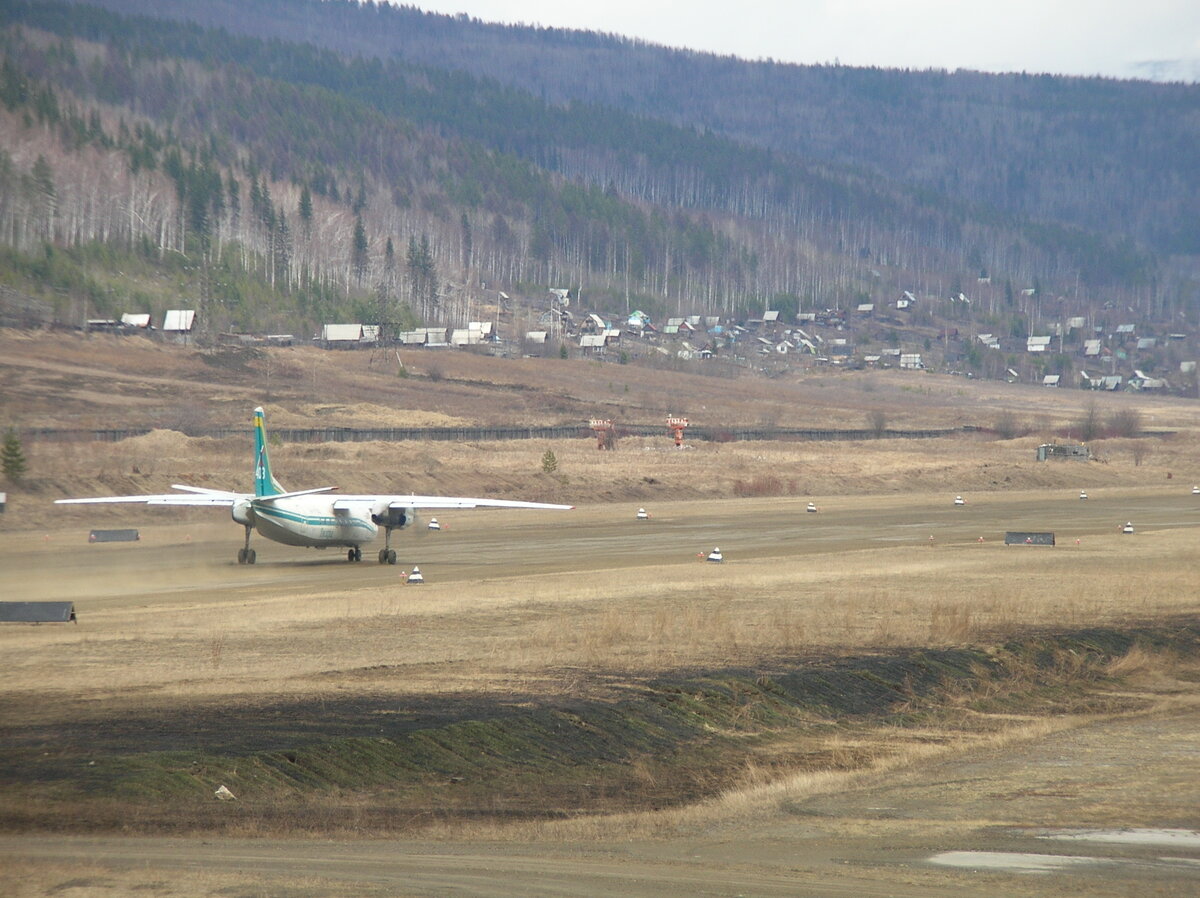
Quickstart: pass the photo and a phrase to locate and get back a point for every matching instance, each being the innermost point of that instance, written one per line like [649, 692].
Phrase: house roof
[335, 333]
[180, 320]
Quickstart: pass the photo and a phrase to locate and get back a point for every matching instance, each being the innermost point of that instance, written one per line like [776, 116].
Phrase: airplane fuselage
[309, 517]
[313, 522]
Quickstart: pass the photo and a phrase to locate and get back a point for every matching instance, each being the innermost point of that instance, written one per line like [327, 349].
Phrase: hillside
[1095, 153]
[148, 164]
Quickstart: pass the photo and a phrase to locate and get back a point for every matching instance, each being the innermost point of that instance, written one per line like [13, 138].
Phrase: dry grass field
[575, 702]
[69, 380]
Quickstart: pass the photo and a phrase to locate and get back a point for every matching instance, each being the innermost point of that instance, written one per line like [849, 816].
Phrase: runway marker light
[642, 514]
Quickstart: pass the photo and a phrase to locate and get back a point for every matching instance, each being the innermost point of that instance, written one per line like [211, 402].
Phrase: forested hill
[1122, 157]
[291, 180]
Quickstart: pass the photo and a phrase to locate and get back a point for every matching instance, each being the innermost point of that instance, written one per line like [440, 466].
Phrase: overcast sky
[1116, 38]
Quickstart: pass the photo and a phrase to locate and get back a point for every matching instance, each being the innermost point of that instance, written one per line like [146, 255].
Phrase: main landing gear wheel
[387, 556]
[354, 554]
[245, 553]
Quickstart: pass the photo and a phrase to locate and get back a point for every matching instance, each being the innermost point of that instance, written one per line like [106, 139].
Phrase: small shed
[178, 324]
[179, 321]
[341, 336]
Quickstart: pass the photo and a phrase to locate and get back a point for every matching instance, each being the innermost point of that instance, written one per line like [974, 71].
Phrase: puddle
[1011, 862]
[1162, 838]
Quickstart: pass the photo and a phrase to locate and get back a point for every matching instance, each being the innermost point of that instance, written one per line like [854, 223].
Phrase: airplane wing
[440, 502]
[192, 495]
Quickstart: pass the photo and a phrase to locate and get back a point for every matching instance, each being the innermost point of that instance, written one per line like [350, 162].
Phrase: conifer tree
[360, 250]
[306, 209]
[12, 458]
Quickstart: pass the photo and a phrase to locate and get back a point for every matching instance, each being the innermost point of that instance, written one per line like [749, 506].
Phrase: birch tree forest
[284, 182]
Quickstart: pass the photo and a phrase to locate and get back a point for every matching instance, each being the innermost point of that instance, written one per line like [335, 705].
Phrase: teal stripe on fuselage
[272, 511]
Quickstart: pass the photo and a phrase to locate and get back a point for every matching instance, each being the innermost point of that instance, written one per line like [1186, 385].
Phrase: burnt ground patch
[382, 763]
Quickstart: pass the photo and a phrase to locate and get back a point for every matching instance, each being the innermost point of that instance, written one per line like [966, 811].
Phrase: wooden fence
[484, 434]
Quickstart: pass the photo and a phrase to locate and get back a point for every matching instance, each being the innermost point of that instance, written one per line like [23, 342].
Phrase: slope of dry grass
[68, 380]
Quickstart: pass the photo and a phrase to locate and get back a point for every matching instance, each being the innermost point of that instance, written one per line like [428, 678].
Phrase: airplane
[316, 518]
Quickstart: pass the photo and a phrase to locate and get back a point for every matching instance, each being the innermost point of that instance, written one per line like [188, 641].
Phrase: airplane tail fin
[264, 483]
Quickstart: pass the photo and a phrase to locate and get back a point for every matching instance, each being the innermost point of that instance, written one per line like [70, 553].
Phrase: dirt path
[992, 811]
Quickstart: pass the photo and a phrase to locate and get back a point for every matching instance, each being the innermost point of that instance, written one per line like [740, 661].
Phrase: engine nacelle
[393, 518]
[243, 512]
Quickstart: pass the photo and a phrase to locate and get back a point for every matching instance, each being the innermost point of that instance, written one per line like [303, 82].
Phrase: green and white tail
[264, 483]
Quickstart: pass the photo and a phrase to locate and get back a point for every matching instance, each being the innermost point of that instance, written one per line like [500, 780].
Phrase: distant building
[348, 336]
[178, 323]
[1068, 451]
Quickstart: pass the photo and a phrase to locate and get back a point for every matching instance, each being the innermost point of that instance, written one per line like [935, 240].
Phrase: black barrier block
[113, 536]
[1026, 538]
[37, 612]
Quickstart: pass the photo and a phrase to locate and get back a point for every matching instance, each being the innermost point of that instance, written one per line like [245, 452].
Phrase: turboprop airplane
[317, 518]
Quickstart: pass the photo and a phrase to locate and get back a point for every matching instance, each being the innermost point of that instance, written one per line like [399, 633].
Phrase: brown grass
[554, 632]
[69, 380]
[196, 634]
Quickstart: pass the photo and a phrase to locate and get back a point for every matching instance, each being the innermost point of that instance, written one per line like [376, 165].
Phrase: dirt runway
[175, 562]
[960, 823]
